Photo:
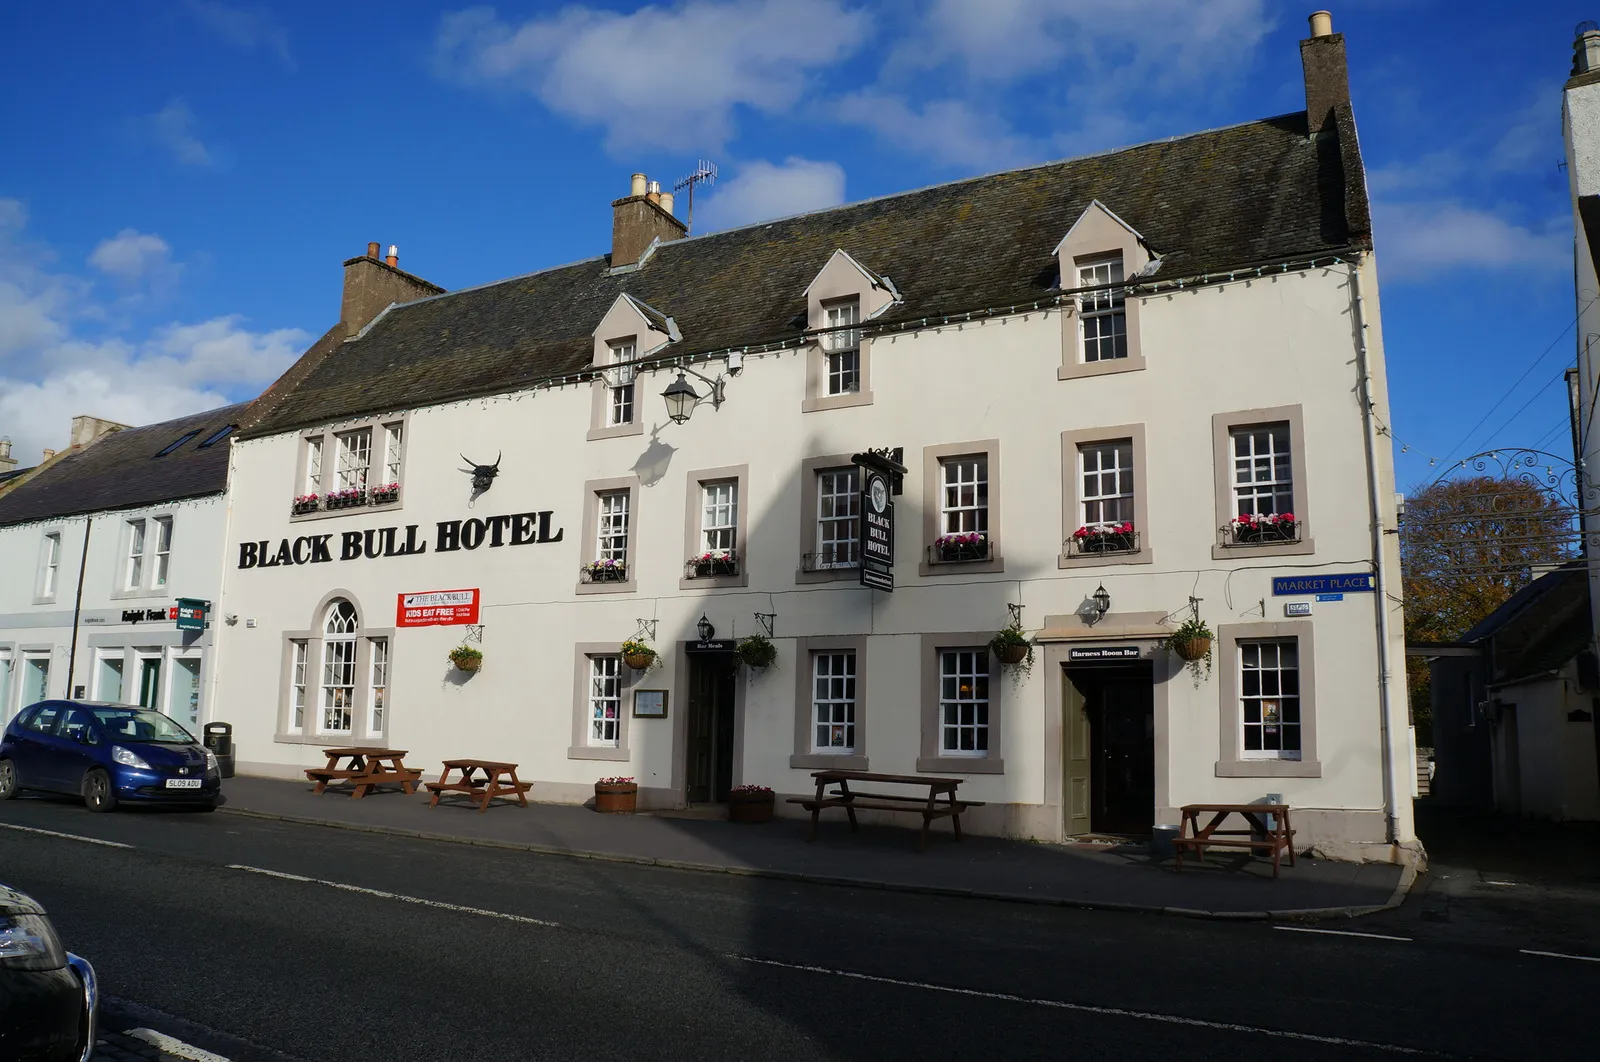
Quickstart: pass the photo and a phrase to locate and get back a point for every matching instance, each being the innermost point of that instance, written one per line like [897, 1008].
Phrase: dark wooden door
[709, 768]
[1121, 709]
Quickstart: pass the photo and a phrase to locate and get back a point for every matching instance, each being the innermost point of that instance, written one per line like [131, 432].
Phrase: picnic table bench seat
[366, 769]
[1273, 839]
[930, 807]
[498, 780]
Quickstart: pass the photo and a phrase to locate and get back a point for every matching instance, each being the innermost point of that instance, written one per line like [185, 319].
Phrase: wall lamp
[707, 631]
[1102, 600]
[682, 397]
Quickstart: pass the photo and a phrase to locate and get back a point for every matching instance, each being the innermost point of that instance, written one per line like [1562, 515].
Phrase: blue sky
[180, 180]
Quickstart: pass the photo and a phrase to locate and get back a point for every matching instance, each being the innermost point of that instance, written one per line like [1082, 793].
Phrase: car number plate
[183, 783]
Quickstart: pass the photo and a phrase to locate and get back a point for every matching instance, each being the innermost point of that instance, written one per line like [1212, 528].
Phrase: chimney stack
[1327, 75]
[1586, 50]
[86, 430]
[7, 462]
[639, 220]
[371, 286]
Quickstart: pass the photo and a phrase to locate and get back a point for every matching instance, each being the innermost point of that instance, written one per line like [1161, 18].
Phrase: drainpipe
[77, 603]
[1391, 786]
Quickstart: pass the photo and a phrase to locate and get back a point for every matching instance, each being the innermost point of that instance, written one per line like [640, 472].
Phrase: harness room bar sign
[437, 608]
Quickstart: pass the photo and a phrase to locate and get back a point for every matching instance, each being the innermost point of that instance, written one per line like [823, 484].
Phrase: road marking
[1512, 884]
[172, 1046]
[1085, 1008]
[524, 919]
[1340, 933]
[1559, 955]
[68, 836]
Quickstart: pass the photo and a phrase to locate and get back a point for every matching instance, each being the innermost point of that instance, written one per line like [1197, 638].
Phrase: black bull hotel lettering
[517, 529]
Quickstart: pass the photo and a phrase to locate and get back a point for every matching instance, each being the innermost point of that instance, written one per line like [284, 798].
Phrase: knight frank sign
[516, 529]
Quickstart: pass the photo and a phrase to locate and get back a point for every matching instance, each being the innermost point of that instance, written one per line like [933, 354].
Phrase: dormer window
[839, 300]
[842, 346]
[631, 332]
[1102, 314]
[619, 408]
[1097, 256]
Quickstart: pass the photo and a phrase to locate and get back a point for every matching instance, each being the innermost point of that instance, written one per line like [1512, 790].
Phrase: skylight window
[221, 434]
[177, 443]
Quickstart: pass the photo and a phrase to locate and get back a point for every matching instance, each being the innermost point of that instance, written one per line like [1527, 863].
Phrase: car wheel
[210, 805]
[8, 780]
[98, 793]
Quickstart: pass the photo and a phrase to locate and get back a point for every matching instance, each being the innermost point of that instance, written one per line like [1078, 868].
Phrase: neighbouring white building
[99, 546]
[1145, 344]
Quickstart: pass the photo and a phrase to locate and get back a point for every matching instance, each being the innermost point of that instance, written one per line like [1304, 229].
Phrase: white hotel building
[1165, 336]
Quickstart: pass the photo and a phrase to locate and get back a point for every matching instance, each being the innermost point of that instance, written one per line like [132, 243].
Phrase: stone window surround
[59, 531]
[600, 426]
[1231, 762]
[817, 397]
[330, 453]
[361, 710]
[149, 518]
[692, 540]
[1072, 487]
[930, 761]
[809, 470]
[932, 509]
[1096, 238]
[627, 678]
[1222, 426]
[805, 756]
[591, 526]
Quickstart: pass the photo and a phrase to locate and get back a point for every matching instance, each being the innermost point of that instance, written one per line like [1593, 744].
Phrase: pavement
[1103, 876]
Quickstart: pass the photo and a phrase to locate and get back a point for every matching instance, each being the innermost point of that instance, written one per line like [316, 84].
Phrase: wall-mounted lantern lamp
[1102, 600]
[682, 397]
[707, 631]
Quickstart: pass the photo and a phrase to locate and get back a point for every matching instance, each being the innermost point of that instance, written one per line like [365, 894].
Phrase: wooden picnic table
[366, 770]
[929, 807]
[499, 780]
[1274, 836]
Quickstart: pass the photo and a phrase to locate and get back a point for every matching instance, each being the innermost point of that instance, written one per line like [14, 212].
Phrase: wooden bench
[929, 807]
[365, 770]
[1272, 838]
[499, 780]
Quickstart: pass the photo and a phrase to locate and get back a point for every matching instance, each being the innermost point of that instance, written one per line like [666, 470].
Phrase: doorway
[1110, 755]
[709, 739]
[150, 682]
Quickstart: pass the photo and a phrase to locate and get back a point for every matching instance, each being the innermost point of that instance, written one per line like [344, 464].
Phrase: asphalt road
[325, 944]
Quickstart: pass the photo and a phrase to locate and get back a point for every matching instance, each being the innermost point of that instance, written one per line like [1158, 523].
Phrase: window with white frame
[964, 505]
[1102, 315]
[338, 668]
[313, 465]
[619, 400]
[1263, 471]
[1107, 475]
[611, 542]
[297, 685]
[133, 573]
[355, 458]
[605, 701]
[719, 515]
[49, 564]
[380, 683]
[964, 702]
[843, 346]
[838, 518]
[391, 454]
[833, 701]
[161, 560]
[1269, 698]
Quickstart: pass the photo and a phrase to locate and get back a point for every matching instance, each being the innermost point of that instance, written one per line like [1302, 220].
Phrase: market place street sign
[436, 608]
[515, 529]
[1343, 583]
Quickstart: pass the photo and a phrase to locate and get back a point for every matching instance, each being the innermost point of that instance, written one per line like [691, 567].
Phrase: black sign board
[877, 521]
[715, 645]
[1088, 653]
[192, 614]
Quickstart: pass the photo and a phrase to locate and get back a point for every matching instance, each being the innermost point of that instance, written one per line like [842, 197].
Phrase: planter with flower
[466, 658]
[347, 499]
[757, 651]
[1192, 642]
[637, 654]
[1106, 538]
[605, 570]
[616, 796]
[714, 562]
[961, 546]
[1250, 529]
[386, 494]
[1011, 645]
[750, 803]
[305, 503]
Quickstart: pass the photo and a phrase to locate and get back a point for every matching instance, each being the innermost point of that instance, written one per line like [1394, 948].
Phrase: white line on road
[525, 920]
[1340, 933]
[1085, 1008]
[68, 836]
[1559, 955]
[169, 1045]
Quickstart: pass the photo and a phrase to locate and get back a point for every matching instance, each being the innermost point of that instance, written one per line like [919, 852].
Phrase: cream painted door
[1075, 757]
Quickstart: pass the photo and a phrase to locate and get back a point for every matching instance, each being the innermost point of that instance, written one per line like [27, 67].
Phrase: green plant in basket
[757, 651]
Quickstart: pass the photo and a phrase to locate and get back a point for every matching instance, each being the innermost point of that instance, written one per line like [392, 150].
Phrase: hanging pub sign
[191, 614]
[437, 608]
[512, 529]
[880, 472]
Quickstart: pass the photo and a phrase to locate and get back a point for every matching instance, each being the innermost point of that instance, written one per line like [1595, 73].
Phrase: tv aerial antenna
[705, 172]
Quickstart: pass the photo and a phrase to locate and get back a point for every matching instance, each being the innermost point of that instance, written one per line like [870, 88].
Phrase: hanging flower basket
[757, 651]
[750, 803]
[637, 655]
[1012, 654]
[1191, 649]
[1192, 642]
[616, 796]
[466, 658]
[1012, 647]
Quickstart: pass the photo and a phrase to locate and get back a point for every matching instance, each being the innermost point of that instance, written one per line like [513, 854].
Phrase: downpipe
[1391, 787]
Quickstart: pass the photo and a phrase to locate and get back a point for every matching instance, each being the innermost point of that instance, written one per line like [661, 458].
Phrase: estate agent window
[962, 523]
[960, 705]
[350, 468]
[1268, 703]
[609, 515]
[1261, 482]
[602, 693]
[715, 528]
[336, 679]
[830, 704]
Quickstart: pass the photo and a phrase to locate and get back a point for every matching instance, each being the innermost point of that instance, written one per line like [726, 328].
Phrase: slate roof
[1247, 194]
[1540, 627]
[122, 471]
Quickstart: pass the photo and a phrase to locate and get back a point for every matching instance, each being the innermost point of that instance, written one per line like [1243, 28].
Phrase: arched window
[339, 667]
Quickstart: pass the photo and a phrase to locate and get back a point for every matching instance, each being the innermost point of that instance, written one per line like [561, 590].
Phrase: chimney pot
[372, 249]
[666, 201]
[638, 187]
[394, 257]
[654, 194]
[1322, 23]
[48, 453]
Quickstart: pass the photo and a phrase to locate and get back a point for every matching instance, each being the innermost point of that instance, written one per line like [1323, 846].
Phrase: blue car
[106, 753]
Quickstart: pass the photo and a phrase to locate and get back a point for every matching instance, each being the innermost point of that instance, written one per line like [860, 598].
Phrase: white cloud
[764, 190]
[245, 28]
[51, 371]
[660, 77]
[173, 128]
[947, 132]
[1419, 241]
[131, 256]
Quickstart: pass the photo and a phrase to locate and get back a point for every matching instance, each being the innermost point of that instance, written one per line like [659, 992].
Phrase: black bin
[219, 739]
